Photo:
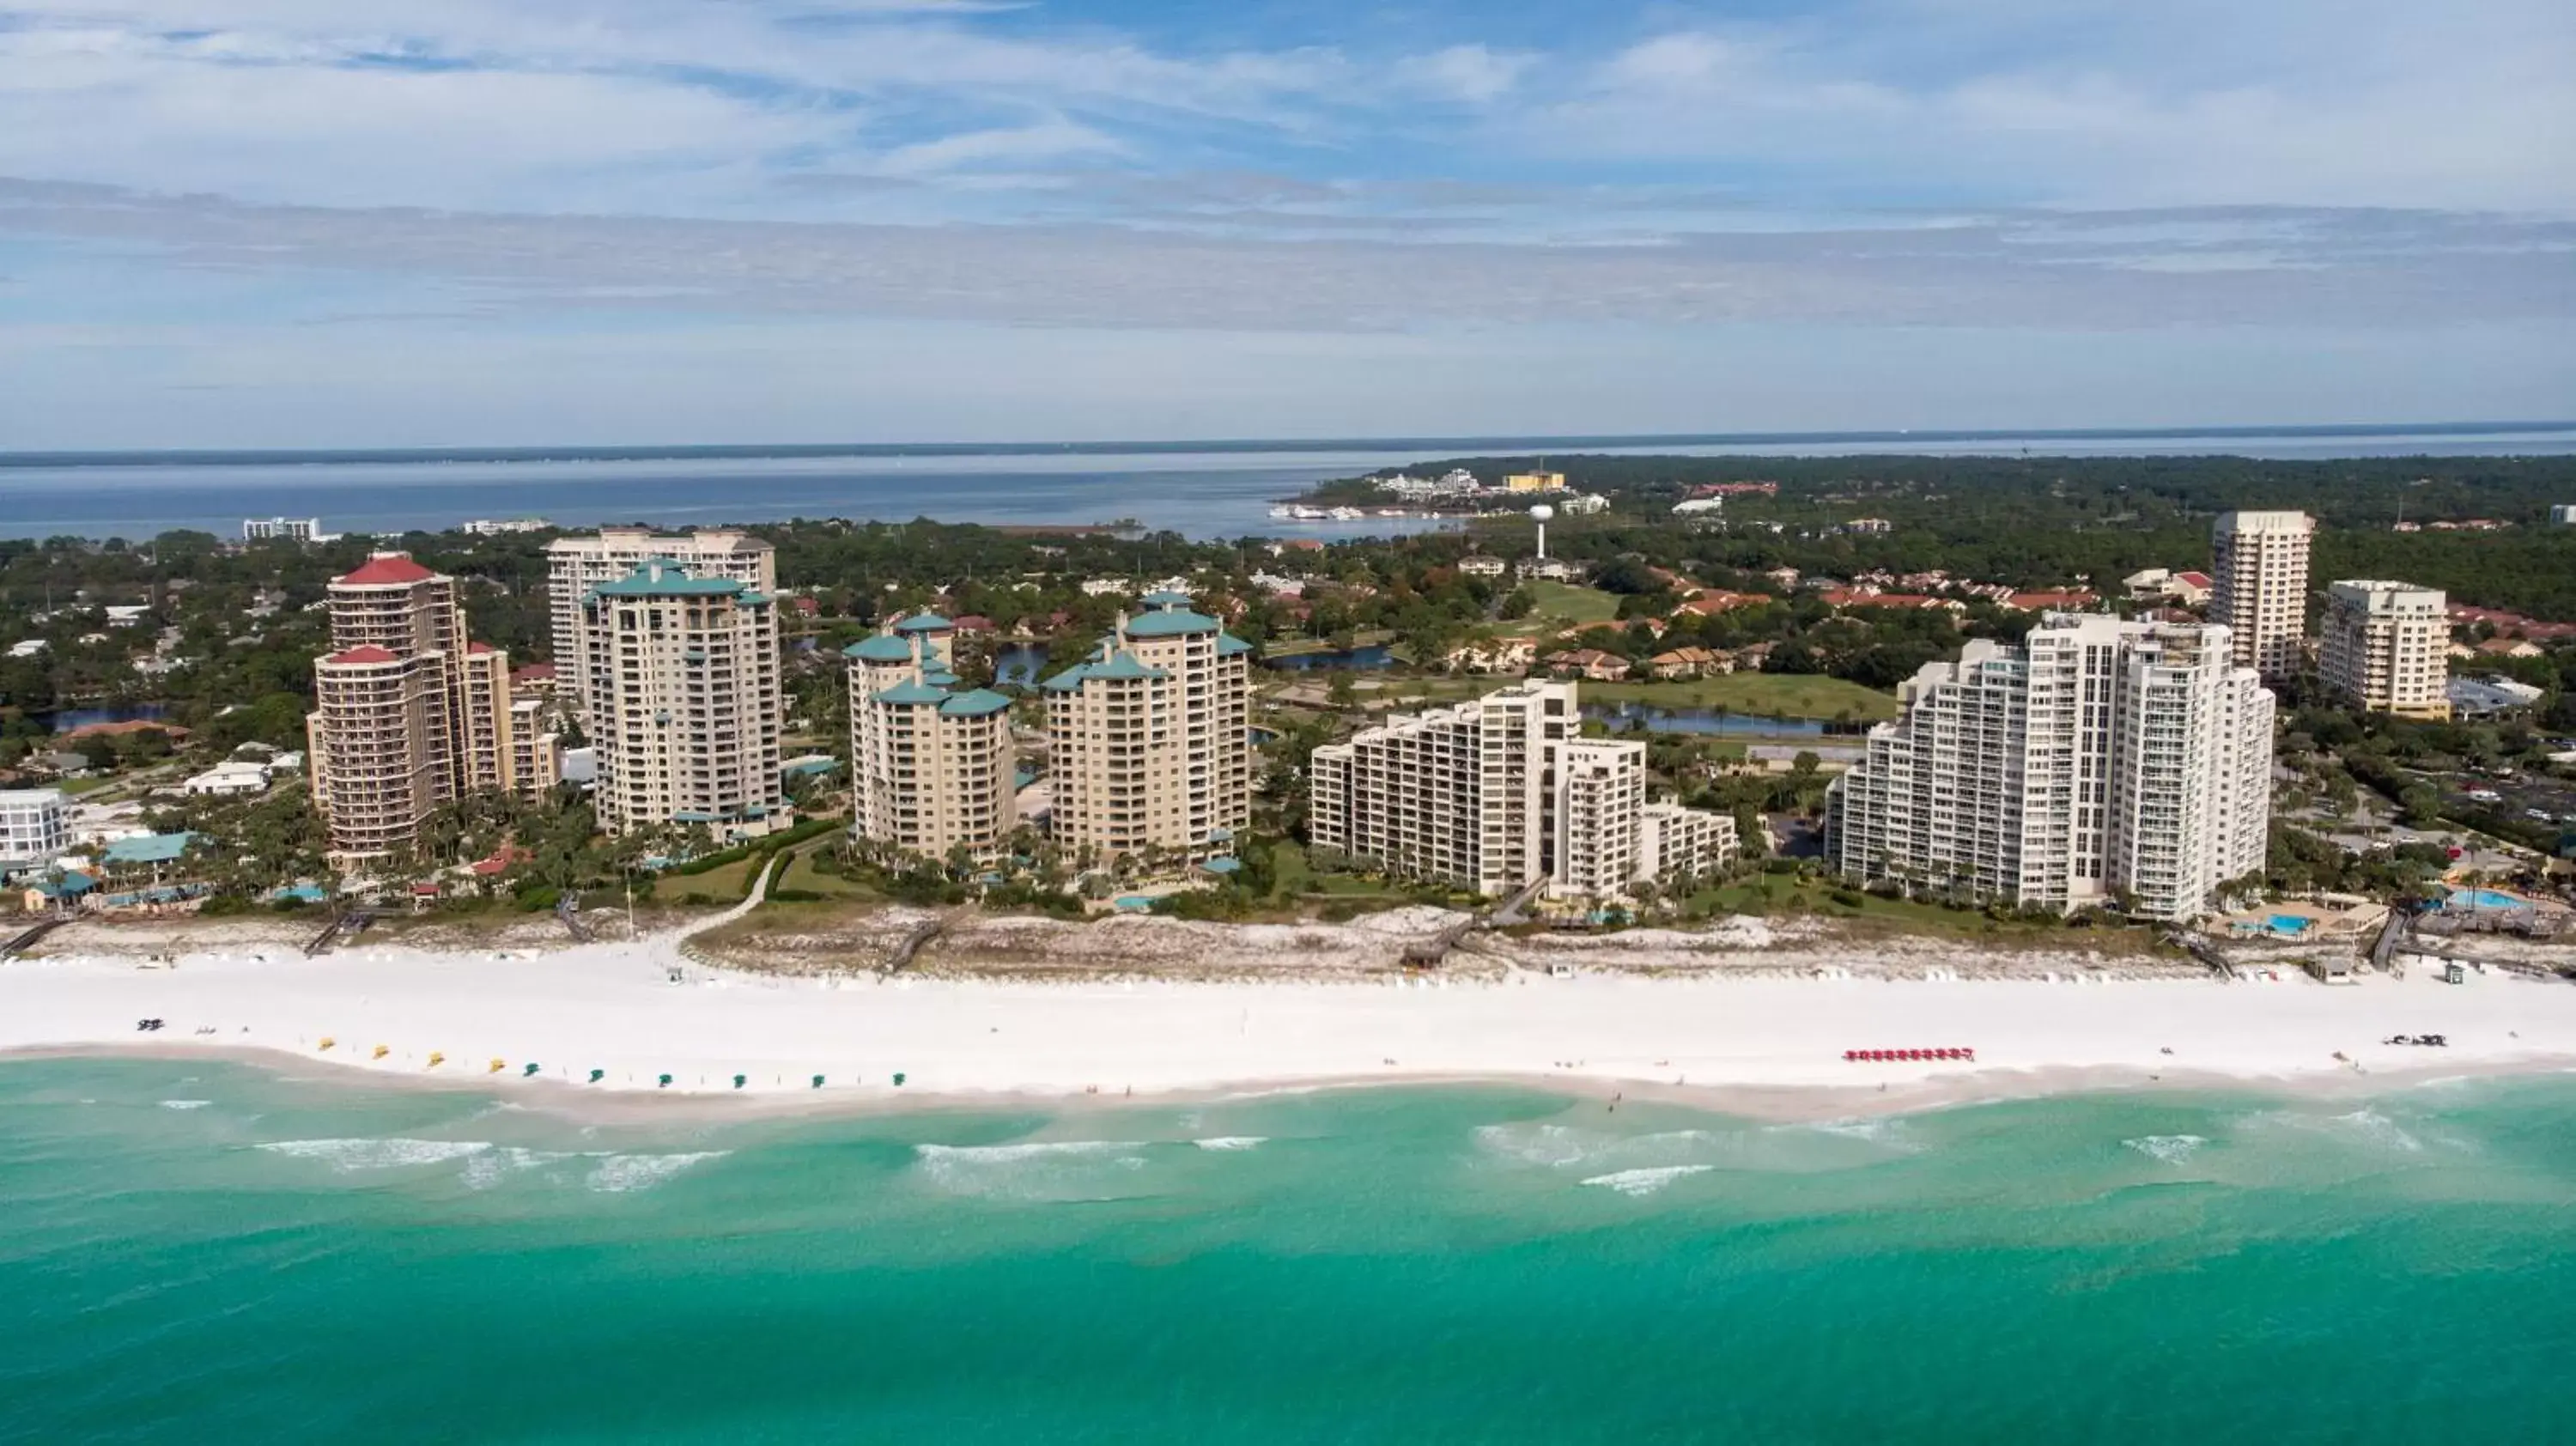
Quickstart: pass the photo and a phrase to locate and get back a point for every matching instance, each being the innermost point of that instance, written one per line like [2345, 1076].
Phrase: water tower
[1540, 514]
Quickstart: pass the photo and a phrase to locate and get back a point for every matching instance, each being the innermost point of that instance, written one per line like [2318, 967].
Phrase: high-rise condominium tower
[2386, 648]
[1150, 737]
[2259, 591]
[407, 714]
[931, 765]
[680, 678]
[578, 564]
[2100, 758]
[1503, 791]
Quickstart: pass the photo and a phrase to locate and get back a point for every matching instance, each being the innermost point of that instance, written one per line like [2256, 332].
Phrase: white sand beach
[1770, 1045]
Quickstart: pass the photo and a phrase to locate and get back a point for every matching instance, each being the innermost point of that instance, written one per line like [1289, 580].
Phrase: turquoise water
[2485, 899]
[206, 1254]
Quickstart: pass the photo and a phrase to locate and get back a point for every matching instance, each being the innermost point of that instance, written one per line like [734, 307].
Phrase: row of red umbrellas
[1883, 1056]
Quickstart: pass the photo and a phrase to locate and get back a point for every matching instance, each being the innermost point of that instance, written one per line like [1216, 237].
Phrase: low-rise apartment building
[34, 829]
[1502, 791]
[2386, 648]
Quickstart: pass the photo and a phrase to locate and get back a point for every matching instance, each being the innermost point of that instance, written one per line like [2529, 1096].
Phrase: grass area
[1776, 894]
[1571, 605]
[1300, 647]
[1777, 695]
[75, 787]
[724, 884]
[801, 875]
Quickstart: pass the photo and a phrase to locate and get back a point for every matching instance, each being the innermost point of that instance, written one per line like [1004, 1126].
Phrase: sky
[330, 223]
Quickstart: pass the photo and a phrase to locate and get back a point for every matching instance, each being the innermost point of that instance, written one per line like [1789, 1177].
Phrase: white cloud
[1473, 73]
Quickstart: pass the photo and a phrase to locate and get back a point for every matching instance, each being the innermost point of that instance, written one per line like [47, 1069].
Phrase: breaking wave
[1645, 1181]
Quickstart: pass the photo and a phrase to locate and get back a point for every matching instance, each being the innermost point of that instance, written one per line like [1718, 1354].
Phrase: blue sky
[399, 222]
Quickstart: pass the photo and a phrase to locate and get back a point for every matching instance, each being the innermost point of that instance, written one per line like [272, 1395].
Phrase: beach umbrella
[436, 1059]
[666, 1082]
[597, 1075]
[737, 1081]
[498, 1065]
[381, 1052]
[818, 1081]
[529, 1072]
[326, 1043]
[898, 1079]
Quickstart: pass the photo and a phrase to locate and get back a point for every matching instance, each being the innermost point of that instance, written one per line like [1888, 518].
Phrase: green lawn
[724, 884]
[1573, 606]
[1777, 695]
[1299, 647]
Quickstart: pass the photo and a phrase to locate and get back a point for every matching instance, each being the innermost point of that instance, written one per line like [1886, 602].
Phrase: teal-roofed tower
[1150, 738]
[931, 761]
[682, 685]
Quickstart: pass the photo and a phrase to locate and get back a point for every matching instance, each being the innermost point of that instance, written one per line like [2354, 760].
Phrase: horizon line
[242, 456]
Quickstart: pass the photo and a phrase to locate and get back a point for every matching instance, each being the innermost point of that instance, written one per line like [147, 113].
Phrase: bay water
[211, 1252]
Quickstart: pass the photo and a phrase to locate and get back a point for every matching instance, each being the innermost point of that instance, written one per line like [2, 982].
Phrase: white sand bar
[615, 1008]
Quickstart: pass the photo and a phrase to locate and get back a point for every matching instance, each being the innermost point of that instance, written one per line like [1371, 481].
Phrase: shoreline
[1761, 1104]
[1763, 1047]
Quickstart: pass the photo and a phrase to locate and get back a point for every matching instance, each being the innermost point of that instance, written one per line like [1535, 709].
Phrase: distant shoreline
[272, 457]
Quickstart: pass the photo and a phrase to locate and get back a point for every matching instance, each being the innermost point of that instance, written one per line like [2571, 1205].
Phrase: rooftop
[364, 653]
[979, 703]
[1170, 623]
[386, 569]
[925, 623]
[882, 648]
[668, 577]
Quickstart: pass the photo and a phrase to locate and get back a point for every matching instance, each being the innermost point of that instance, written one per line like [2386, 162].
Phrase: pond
[71, 718]
[1711, 721]
[1019, 663]
[1372, 657]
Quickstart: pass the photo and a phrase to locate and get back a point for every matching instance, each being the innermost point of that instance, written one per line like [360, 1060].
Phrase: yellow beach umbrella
[436, 1059]
[327, 1042]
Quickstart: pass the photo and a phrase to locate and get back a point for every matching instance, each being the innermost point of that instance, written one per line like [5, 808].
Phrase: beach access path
[635, 1010]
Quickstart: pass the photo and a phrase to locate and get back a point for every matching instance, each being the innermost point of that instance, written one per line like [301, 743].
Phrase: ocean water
[209, 1253]
[1215, 490]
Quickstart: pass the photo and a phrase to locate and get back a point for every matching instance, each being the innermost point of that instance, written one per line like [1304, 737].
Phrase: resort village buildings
[1150, 738]
[2259, 587]
[1503, 791]
[407, 714]
[931, 764]
[2101, 759]
[2386, 648]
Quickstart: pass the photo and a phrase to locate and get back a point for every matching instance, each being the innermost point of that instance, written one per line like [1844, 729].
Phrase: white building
[1582, 504]
[2564, 514]
[228, 779]
[575, 565]
[496, 527]
[1150, 738]
[2101, 758]
[293, 529]
[1501, 791]
[1482, 566]
[33, 829]
[931, 762]
[2259, 587]
[682, 681]
[1695, 505]
[2386, 648]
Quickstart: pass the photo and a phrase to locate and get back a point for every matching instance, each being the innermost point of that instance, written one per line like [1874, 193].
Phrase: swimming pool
[2484, 899]
[2289, 925]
